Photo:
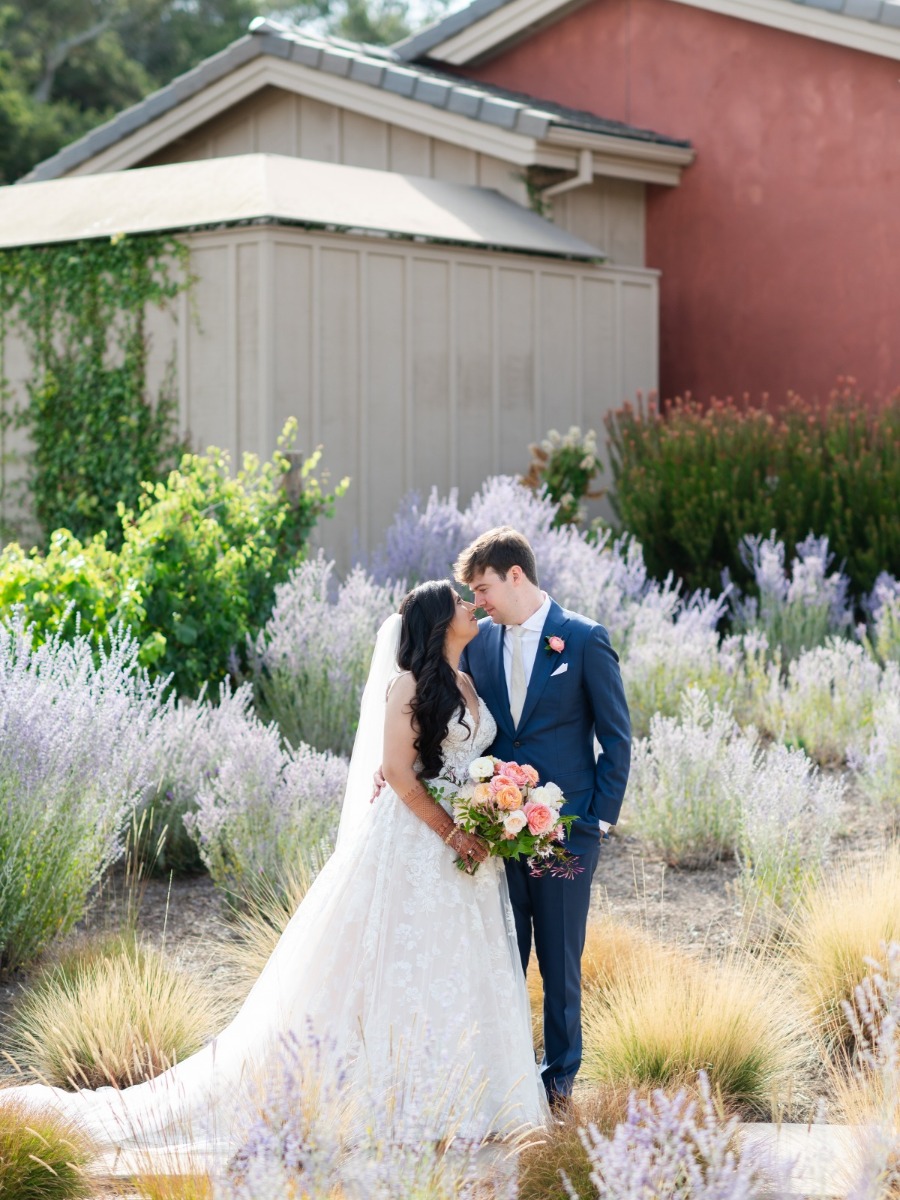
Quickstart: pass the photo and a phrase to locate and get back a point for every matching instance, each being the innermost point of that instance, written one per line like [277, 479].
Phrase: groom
[552, 682]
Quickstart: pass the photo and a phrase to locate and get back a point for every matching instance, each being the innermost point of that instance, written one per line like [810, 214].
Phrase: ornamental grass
[561, 1147]
[839, 924]
[42, 1157]
[611, 949]
[112, 1011]
[172, 1187]
[735, 1020]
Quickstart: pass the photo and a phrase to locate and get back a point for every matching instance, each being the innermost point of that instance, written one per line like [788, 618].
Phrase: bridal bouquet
[505, 805]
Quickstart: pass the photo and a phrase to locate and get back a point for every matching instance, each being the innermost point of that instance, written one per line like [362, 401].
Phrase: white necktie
[517, 676]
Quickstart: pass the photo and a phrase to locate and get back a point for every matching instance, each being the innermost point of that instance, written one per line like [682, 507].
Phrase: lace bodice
[463, 743]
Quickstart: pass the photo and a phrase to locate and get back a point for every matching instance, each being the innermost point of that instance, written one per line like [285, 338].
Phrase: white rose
[539, 795]
[482, 769]
[515, 822]
[553, 795]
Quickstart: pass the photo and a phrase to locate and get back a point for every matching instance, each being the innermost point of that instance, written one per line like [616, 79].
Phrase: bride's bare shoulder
[402, 687]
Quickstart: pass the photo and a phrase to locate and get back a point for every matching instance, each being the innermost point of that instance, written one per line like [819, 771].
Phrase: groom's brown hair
[500, 548]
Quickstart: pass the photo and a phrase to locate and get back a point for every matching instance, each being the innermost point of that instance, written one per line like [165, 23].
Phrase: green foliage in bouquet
[692, 479]
[206, 549]
[565, 466]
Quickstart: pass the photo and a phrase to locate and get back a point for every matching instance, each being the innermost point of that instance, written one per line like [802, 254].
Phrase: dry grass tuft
[173, 1187]
[110, 1012]
[838, 924]
[611, 949]
[560, 1147]
[735, 1020]
[42, 1157]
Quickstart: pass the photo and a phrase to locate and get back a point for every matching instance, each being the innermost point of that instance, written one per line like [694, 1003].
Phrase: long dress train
[398, 959]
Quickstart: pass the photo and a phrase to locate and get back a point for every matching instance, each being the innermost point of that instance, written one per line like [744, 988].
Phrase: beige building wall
[609, 213]
[413, 365]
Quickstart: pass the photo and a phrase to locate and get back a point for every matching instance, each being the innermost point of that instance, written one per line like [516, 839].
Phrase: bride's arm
[398, 767]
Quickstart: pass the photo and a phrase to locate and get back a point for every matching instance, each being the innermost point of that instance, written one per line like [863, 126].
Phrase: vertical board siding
[412, 367]
[430, 302]
[247, 301]
[364, 142]
[384, 368]
[474, 374]
[515, 358]
[319, 132]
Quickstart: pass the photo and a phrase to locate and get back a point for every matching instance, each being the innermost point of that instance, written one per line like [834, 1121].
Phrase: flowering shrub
[565, 467]
[321, 1131]
[190, 739]
[826, 703]
[875, 1018]
[311, 659]
[687, 781]
[878, 765]
[73, 759]
[884, 604]
[690, 479]
[263, 807]
[789, 816]
[794, 612]
[669, 1150]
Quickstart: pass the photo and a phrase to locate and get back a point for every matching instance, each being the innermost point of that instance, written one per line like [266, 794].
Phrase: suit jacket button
[517, 743]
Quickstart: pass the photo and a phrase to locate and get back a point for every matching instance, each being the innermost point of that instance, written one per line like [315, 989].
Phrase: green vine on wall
[96, 432]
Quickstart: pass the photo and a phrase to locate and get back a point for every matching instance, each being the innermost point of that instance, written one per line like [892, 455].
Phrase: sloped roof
[375, 66]
[885, 13]
[271, 189]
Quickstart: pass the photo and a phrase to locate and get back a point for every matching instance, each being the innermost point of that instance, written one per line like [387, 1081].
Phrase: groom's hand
[378, 782]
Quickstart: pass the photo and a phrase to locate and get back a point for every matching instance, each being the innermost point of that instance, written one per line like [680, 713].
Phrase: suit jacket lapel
[492, 683]
[545, 663]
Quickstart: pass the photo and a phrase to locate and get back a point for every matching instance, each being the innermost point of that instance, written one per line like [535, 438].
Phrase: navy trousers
[552, 914]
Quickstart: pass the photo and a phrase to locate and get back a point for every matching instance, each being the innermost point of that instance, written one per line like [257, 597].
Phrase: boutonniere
[554, 645]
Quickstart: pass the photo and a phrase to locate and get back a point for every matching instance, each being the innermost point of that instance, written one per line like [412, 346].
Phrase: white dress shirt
[531, 642]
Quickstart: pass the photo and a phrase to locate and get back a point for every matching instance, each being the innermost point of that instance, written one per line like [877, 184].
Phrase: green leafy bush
[565, 467]
[73, 585]
[206, 549]
[691, 480]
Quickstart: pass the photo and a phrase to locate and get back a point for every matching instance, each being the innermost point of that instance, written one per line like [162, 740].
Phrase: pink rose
[530, 774]
[513, 771]
[501, 781]
[556, 644]
[540, 818]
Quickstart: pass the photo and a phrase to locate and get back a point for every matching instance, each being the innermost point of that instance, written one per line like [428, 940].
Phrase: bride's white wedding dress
[399, 961]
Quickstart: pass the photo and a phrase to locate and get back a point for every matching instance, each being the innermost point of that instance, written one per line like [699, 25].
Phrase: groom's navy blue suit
[564, 710]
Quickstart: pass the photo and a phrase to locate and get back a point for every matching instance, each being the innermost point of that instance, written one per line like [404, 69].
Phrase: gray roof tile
[373, 66]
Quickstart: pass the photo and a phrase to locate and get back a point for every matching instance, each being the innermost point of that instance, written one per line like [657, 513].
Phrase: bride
[397, 958]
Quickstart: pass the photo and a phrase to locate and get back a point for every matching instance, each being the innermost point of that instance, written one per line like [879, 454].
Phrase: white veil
[368, 745]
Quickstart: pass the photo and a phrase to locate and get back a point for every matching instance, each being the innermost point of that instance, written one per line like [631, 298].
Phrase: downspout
[584, 175]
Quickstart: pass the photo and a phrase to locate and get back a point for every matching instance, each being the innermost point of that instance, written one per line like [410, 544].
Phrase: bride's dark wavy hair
[427, 612]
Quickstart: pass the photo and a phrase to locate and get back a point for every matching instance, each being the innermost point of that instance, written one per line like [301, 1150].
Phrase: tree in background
[68, 65]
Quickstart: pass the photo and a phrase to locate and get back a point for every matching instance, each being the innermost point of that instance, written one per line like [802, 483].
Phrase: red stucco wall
[780, 251]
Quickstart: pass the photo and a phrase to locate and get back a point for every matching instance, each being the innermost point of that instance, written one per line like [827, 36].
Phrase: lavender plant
[74, 733]
[878, 766]
[875, 1020]
[826, 703]
[795, 611]
[884, 605]
[789, 816]
[311, 659]
[322, 1131]
[189, 741]
[688, 780]
[669, 1148]
[263, 808]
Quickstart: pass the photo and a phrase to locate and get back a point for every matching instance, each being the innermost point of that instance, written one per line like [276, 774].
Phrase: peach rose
[530, 774]
[483, 793]
[540, 818]
[508, 798]
[514, 772]
[500, 781]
